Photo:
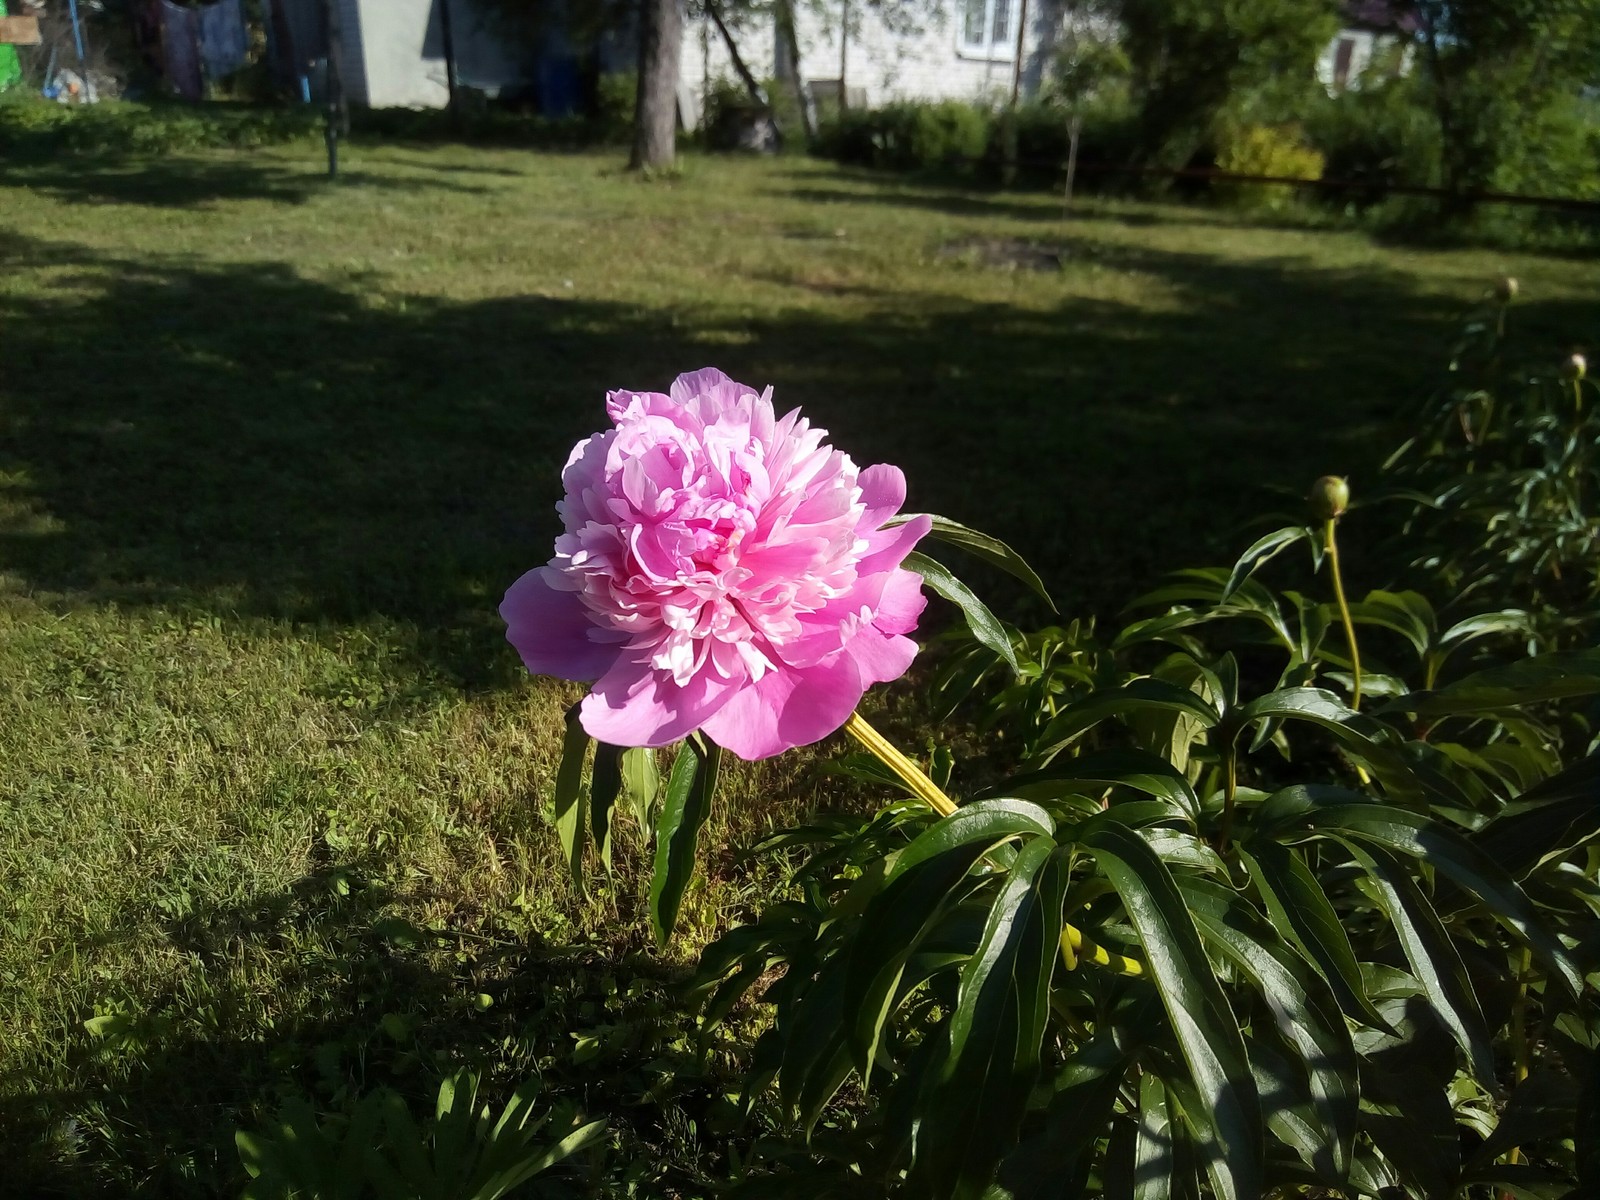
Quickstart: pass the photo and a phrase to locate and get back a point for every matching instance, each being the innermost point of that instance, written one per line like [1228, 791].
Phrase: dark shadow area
[360, 1001]
[243, 440]
[193, 183]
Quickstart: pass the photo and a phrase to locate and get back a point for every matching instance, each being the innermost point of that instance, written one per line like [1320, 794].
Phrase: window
[986, 27]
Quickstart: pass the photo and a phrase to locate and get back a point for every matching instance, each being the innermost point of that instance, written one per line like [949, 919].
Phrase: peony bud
[1576, 367]
[1505, 290]
[1330, 496]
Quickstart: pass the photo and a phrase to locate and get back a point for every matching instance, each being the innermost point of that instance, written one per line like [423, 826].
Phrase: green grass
[273, 790]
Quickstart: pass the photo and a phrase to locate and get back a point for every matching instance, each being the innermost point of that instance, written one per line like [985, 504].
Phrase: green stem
[1519, 1032]
[1230, 787]
[1075, 944]
[1331, 542]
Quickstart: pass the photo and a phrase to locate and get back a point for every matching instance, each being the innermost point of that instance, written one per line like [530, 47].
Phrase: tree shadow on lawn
[241, 439]
[356, 1001]
[194, 183]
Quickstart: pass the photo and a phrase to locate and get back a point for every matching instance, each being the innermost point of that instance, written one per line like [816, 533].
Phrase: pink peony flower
[721, 570]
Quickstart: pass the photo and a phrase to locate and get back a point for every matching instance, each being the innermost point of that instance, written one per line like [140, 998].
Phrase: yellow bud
[1505, 290]
[1576, 367]
[1330, 496]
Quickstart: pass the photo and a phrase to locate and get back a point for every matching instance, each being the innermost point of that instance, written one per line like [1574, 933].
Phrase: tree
[1504, 78]
[655, 115]
[1191, 58]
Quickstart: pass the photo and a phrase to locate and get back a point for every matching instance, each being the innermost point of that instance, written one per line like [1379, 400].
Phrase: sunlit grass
[274, 793]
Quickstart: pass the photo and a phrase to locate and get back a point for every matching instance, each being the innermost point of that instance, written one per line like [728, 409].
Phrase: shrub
[32, 128]
[1378, 137]
[941, 136]
[1266, 150]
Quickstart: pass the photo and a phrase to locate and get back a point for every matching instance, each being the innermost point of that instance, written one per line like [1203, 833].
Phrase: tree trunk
[785, 19]
[655, 114]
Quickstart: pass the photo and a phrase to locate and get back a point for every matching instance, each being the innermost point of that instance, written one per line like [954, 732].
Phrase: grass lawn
[273, 790]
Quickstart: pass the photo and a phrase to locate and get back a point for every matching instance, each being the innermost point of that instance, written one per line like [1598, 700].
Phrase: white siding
[1365, 45]
[930, 63]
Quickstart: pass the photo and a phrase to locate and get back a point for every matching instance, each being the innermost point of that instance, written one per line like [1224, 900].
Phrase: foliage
[938, 135]
[1506, 473]
[1213, 927]
[299, 765]
[1192, 59]
[379, 1150]
[1266, 150]
[32, 128]
[1377, 136]
[1502, 77]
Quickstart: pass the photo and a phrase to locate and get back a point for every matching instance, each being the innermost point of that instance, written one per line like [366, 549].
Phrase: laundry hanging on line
[10, 64]
[200, 43]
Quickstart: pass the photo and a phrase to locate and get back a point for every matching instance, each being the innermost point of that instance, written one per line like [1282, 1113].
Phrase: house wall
[930, 63]
[1365, 46]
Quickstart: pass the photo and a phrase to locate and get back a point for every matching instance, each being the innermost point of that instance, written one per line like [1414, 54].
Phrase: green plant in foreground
[1352, 951]
[379, 1150]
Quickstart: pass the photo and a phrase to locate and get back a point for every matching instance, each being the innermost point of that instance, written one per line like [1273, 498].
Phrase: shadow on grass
[361, 1001]
[243, 440]
[195, 182]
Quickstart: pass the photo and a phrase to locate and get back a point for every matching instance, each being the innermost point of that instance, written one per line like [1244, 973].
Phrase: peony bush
[1277, 890]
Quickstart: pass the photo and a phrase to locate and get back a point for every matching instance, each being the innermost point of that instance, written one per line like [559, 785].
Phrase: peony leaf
[571, 815]
[684, 809]
[641, 783]
[1562, 675]
[605, 785]
[1263, 550]
[991, 549]
[1300, 910]
[985, 626]
[1205, 1025]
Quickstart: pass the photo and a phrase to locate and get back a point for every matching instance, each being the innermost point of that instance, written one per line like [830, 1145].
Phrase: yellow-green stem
[1074, 943]
[1519, 1032]
[1331, 542]
[1230, 787]
[910, 774]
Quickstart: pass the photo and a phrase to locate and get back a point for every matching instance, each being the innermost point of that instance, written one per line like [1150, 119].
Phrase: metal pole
[77, 29]
[449, 62]
[334, 87]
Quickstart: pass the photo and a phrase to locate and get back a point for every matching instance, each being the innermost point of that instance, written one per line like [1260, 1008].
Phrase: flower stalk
[1075, 944]
[1331, 544]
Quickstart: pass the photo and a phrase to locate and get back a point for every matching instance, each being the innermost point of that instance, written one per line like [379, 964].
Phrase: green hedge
[36, 128]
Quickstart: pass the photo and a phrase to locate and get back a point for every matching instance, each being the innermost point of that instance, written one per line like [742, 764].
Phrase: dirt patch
[1007, 254]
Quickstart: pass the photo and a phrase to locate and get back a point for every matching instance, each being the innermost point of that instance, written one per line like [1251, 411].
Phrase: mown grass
[273, 791]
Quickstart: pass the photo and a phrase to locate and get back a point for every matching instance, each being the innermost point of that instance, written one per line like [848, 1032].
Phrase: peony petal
[880, 658]
[697, 383]
[788, 708]
[552, 632]
[883, 491]
[636, 705]
[901, 603]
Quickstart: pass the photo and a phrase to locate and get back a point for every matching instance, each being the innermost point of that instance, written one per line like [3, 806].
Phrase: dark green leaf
[1261, 551]
[684, 808]
[571, 815]
[605, 785]
[991, 549]
[1432, 956]
[1301, 1005]
[1139, 696]
[1561, 675]
[1300, 910]
[1205, 1025]
[985, 626]
[971, 1116]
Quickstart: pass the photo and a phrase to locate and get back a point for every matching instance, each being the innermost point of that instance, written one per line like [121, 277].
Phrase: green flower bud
[1330, 496]
[1505, 290]
[1576, 367]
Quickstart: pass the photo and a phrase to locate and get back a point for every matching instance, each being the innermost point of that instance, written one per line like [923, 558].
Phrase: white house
[966, 53]
[1372, 29]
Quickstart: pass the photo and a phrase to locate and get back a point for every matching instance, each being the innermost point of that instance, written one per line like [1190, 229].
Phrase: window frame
[988, 49]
